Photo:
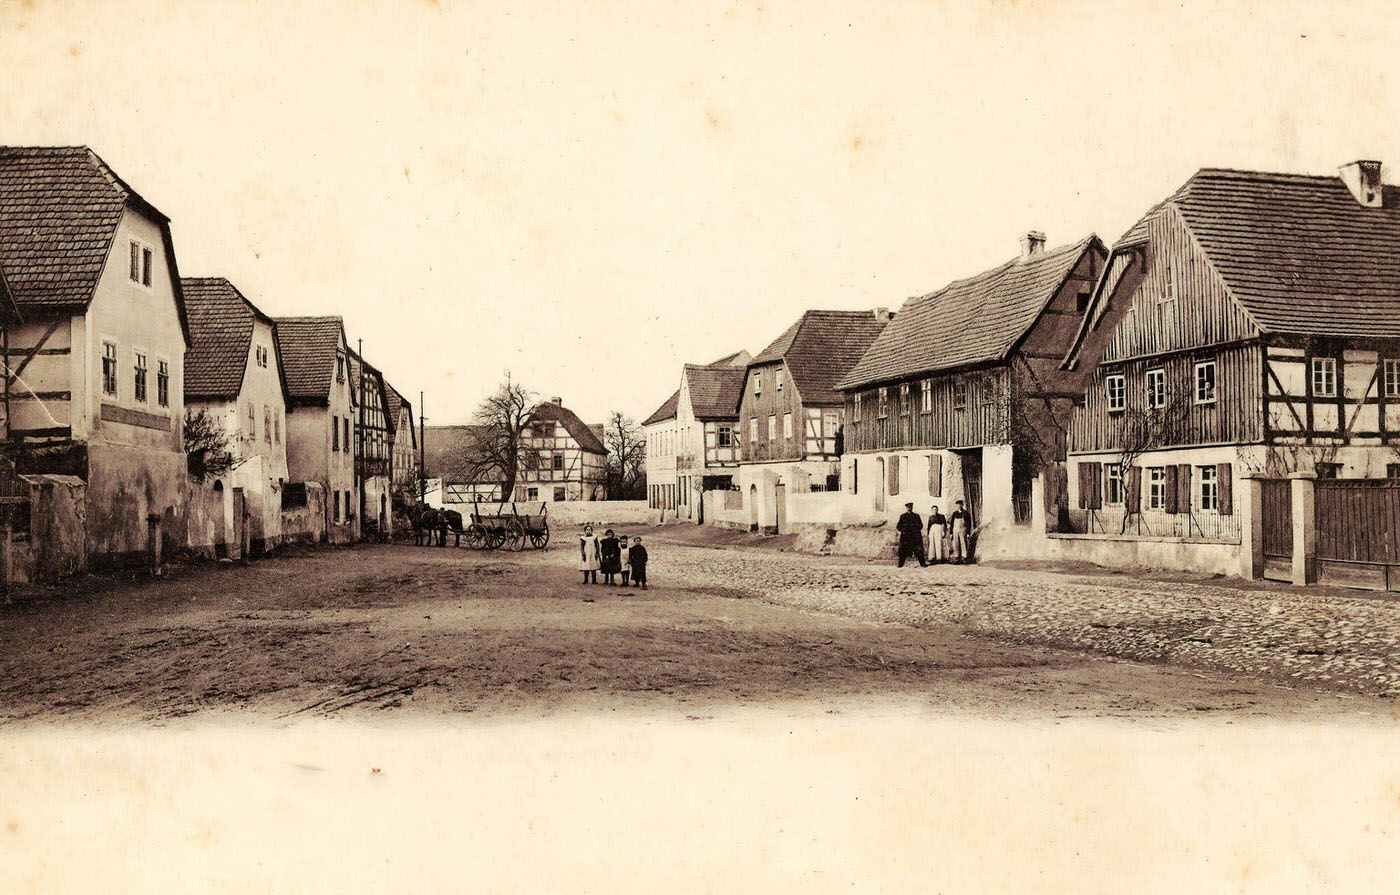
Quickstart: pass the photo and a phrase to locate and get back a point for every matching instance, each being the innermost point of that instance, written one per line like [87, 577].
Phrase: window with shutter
[1133, 496]
[1225, 488]
[1094, 474]
[1183, 488]
[1170, 497]
[935, 475]
[894, 474]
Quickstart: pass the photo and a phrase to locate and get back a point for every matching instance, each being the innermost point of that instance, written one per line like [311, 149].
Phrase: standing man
[962, 534]
[911, 536]
[937, 536]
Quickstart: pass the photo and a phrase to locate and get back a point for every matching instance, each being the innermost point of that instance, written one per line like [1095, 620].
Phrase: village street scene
[636, 469]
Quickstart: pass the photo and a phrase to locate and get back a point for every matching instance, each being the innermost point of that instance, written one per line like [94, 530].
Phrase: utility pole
[422, 454]
[360, 436]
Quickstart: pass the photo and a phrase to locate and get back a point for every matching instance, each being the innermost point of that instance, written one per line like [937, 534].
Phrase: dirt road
[372, 631]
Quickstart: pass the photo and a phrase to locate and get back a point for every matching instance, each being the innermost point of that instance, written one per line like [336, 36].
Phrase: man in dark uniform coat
[911, 536]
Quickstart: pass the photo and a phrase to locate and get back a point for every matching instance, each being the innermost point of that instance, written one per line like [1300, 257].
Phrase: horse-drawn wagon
[487, 531]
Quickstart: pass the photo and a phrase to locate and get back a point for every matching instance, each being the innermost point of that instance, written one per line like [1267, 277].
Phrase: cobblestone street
[1329, 638]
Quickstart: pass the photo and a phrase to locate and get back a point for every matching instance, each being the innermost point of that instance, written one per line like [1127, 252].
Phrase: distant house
[692, 439]
[320, 411]
[962, 396]
[1249, 324]
[374, 432]
[791, 415]
[405, 443]
[95, 333]
[233, 370]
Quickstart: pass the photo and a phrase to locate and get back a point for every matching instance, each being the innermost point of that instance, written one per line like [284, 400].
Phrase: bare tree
[1141, 430]
[498, 452]
[625, 467]
[208, 447]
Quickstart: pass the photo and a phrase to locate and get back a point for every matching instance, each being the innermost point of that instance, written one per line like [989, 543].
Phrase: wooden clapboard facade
[1246, 313]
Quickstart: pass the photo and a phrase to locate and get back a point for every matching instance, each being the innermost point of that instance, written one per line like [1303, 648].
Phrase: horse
[426, 521]
[450, 519]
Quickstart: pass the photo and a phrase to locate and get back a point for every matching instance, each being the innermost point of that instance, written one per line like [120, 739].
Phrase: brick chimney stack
[1033, 243]
[1363, 178]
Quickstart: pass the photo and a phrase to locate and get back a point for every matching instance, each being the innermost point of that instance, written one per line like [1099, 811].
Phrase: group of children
[613, 556]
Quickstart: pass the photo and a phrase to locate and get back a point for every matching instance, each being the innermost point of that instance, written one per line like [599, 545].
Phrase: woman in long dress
[588, 555]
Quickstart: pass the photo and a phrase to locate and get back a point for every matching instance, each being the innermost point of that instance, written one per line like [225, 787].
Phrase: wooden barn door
[1277, 512]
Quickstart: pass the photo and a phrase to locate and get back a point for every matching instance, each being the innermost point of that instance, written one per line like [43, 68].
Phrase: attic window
[1081, 301]
[142, 259]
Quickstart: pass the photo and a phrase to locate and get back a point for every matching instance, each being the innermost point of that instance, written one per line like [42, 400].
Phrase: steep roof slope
[221, 334]
[59, 211]
[667, 411]
[1299, 253]
[447, 452]
[588, 438]
[821, 348]
[970, 321]
[715, 390]
[372, 377]
[308, 346]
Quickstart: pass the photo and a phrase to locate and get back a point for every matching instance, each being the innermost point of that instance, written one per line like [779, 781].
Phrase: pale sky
[591, 194]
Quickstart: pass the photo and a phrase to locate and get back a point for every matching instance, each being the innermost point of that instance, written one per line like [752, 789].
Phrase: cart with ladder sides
[512, 531]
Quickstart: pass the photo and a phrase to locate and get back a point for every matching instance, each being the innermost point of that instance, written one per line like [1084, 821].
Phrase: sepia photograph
[742, 446]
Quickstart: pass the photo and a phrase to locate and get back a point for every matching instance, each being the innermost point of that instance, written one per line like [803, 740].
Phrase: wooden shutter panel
[1133, 497]
[1082, 470]
[894, 474]
[1094, 474]
[935, 475]
[1169, 487]
[1225, 488]
[1183, 488]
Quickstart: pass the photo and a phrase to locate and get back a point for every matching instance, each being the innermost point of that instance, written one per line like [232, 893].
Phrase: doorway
[221, 523]
[780, 507]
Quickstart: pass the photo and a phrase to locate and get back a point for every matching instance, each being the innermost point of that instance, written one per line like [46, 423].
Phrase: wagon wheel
[515, 535]
[539, 538]
[495, 537]
[476, 537]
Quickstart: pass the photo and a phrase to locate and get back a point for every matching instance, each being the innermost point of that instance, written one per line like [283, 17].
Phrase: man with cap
[911, 536]
[961, 522]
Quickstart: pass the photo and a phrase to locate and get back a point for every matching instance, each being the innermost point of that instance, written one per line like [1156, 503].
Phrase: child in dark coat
[610, 557]
[637, 555]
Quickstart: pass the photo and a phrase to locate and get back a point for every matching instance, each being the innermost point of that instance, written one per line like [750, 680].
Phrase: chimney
[1033, 243]
[559, 401]
[1363, 178]
[882, 314]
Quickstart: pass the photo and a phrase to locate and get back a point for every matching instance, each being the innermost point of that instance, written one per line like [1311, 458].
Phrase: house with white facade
[233, 371]
[659, 430]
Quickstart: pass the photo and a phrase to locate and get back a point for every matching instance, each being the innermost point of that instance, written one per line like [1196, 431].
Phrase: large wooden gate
[1277, 522]
[1358, 532]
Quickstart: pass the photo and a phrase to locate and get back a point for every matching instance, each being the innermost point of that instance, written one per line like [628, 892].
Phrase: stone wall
[306, 524]
[56, 546]
[574, 513]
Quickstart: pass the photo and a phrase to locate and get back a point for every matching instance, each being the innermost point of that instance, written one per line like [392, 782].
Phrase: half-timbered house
[373, 434]
[95, 336]
[962, 397]
[692, 439]
[404, 455]
[571, 457]
[1247, 325]
[791, 413]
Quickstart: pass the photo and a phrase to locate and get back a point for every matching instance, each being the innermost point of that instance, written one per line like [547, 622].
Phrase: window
[772, 426]
[1156, 488]
[335, 433]
[109, 368]
[340, 368]
[260, 354]
[753, 430]
[1329, 470]
[267, 424]
[1168, 287]
[904, 399]
[139, 377]
[926, 396]
[345, 432]
[1081, 301]
[1112, 484]
[831, 424]
[1392, 470]
[1390, 381]
[532, 493]
[787, 425]
[1205, 382]
[778, 378]
[1116, 391]
[855, 408]
[559, 492]
[163, 383]
[558, 459]
[1210, 488]
[142, 260]
[1324, 377]
[757, 383]
[252, 422]
[884, 403]
[336, 516]
[348, 514]
[960, 396]
[724, 435]
[989, 391]
[1156, 389]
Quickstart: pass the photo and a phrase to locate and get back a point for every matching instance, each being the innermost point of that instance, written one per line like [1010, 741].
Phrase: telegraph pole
[422, 454]
[360, 436]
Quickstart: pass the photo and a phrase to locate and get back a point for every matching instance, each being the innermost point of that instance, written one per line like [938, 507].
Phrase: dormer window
[142, 259]
[757, 383]
[340, 368]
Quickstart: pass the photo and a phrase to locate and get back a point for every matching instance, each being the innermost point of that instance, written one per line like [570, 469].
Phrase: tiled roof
[308, 346]
[373, 380]
[729, 360]
[221, 333]
[588, 437]
[447, 451]
[1299, 253]
[59, 211]
[821, 348]
[666, 411]
[715, 390]
[969, 321]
